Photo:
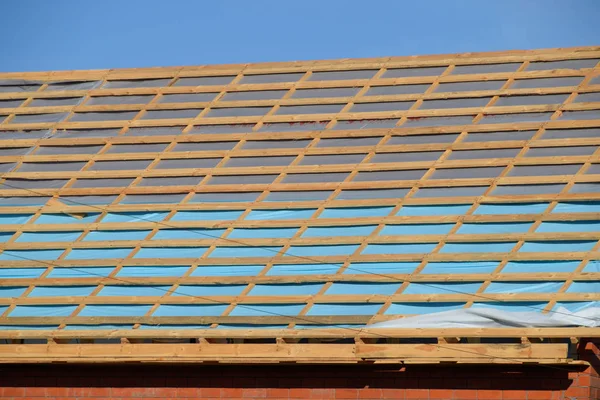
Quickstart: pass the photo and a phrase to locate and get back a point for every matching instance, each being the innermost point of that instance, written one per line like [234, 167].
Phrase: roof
[268, 212]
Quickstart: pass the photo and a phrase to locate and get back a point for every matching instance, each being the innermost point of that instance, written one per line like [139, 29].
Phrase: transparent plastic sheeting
[587, 314]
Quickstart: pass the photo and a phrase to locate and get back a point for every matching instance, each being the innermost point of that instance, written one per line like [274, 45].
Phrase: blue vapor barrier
[511, 208]
[486, 247]
[170, 252]
[48, 236]
[286, 289]
[417, 229]
[592, 266]
[326, 231]
[443, 209]
[135, 217]
[14, 218]
[152, 271]
[26, 327]
[382, 268]
[539, 266]
[97, 327]
[21, 273]
[116, 310]
[80, 272]
[280, 214]
[42, 255]
[43, 311]
[262, 233]
[523, 287]
[577, 206]
[3, 309]
[512, 305]
[399, 248]
[92, 254]
[115, 235]
[442, 288]
[192, 233]
[574, 306]
[460, 267]
[132, 290]
[584, 286]
[228, 215]
[227, 270]
[209, 290]
[356, 212]
[558, 246]
[174, 326]
[190, 310]
[493, 227]
[49, 291]
[569, 226]
[5, 236]
[421, 308]
[248, 326]
[344, 309]
[262, 310]
[315, 251]
[67, 219]
[363, 288]
[238, 251]
[11, 291]
[303, 269]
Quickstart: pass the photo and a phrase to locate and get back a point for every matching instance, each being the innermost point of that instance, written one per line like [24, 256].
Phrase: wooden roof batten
[66, 338]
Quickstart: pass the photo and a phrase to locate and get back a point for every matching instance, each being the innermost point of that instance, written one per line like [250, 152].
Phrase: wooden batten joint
[446, 340]
[287, 340]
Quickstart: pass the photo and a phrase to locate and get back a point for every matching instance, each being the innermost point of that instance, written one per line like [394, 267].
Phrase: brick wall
[295, 382]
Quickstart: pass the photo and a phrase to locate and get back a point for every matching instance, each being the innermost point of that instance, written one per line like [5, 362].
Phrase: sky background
[39, 35]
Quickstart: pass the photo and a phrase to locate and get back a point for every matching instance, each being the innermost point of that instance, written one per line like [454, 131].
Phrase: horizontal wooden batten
[207, 239]
[290, 259]
[301, 299]
[141, 224]
[324, 333]
[441, 95]
[351, 274]
[317, 117]
[204, 154]
[330, 353]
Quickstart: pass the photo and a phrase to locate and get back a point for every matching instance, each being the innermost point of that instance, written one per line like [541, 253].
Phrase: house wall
[440, 381]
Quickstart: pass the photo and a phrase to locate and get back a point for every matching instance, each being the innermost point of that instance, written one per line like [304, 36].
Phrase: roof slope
[195, 201]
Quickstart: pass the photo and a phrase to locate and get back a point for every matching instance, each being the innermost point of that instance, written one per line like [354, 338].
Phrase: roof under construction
[273, 212]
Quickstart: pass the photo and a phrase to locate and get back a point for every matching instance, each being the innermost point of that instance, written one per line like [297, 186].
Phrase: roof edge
[291, 66]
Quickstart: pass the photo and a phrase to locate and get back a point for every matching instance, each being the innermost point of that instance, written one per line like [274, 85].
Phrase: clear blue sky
[37, 35]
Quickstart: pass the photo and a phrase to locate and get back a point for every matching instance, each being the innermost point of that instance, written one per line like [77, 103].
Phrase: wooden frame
[370, 345]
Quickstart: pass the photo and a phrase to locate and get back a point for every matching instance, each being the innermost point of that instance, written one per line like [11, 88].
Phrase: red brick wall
[138, 382]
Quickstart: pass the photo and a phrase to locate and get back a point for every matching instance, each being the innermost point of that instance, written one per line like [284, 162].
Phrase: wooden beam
[327, 333]
[331, 353]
